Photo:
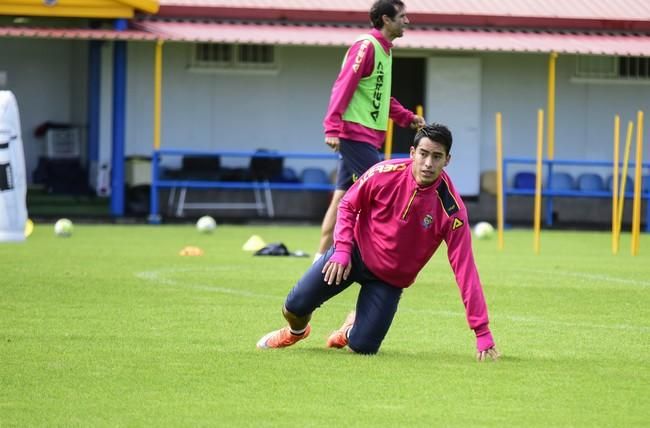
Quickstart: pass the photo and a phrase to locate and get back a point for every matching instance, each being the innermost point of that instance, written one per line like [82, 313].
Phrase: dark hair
[435, 132]
[384, 7]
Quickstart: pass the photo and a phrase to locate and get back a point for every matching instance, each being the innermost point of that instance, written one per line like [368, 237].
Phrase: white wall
[106, 105]
[78, 71]
[43, 76]
[457, 81]
[233, 110]
[516, 85]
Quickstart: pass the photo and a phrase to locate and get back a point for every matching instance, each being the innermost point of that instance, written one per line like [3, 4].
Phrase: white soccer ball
[483, 230]
[206, 224]
[63, 227]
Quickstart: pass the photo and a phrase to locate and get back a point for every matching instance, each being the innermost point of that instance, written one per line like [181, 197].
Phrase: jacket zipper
[408, 206]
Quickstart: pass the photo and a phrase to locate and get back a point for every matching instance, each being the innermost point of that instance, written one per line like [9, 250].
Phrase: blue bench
[560, 184]
[261, 188]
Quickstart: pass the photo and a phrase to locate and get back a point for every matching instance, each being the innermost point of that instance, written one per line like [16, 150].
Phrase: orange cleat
[281, 338]
[339, 338]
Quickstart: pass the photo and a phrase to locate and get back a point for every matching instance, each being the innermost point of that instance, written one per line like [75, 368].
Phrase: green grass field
[111, 327]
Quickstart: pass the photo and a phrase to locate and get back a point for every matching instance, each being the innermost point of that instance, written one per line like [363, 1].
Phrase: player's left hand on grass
[492, 353]
[485, 347]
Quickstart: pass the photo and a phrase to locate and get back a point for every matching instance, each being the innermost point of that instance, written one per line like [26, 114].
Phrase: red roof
[443, 39]
[435, 39]
[588, 9]
[608, 27]
[621, 10]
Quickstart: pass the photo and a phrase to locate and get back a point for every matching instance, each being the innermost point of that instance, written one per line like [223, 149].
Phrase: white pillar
[13, 183]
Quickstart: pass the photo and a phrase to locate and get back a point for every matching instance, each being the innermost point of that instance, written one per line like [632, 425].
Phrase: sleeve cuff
[482, 330]
[340, 257]
[484, 338]
[411, 116]
[406, 120]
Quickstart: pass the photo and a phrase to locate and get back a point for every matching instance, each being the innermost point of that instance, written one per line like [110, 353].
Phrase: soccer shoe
[281, 338]
[339, 338]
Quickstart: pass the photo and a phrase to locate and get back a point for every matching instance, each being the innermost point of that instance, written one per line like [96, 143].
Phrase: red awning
[75, 33]
[414, 38]
[440, 39]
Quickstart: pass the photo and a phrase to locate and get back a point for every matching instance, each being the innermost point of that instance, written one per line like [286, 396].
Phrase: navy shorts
[354, 159]
[376, 304]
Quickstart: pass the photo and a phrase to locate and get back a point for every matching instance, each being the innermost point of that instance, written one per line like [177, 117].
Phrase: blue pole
[647, 213]
[154, 216]
[549, 199]
[119, 128]
[94, 94]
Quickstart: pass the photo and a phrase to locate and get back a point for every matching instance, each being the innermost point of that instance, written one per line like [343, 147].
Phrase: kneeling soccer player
[389, 224]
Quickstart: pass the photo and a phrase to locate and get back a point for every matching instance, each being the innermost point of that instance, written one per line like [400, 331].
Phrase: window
[619, 68]
[207, 54]
[633, 67]
[219, 56]
[597, 66]
[255, 54]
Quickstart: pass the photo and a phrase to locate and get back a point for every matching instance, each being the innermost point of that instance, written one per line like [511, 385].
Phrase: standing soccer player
[360, 105]
[390, 223]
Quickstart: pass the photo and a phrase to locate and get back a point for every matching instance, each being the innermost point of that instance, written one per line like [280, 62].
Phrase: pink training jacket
[398, 226]
[344, 88]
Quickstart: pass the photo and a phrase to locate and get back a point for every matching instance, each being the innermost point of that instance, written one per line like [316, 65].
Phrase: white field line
[162, 277]
[539, 321]
[589, 276]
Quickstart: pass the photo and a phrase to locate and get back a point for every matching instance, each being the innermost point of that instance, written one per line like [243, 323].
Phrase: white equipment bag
[13, 184]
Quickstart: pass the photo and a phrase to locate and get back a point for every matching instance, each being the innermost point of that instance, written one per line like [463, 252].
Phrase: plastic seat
[524, 180]
[561, 181]
[289, 175]
[264, 167]
[313, 175]
[645, 184]
[590, 182]
[199, 168]
[629, 183]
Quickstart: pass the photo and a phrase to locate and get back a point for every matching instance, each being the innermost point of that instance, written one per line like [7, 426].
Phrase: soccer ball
[483, 230]
[63, 227]
[206, 224]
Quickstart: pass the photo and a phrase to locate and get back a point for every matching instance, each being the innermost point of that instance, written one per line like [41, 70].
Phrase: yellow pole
[419, 110]
[550, 133]
[499, 142]
[617, 143]
[157, 94]
[621, 192]
[538, 180]
[388, 147]
[636, 206]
